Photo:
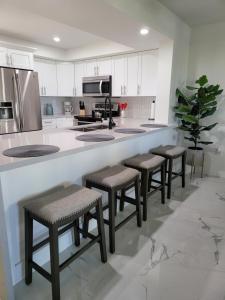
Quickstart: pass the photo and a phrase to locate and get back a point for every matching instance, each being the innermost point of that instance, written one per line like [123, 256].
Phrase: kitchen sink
[90, 128]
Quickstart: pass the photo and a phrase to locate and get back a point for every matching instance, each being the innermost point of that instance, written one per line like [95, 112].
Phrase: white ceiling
[35, 28]
[77, 22]
[197, 12]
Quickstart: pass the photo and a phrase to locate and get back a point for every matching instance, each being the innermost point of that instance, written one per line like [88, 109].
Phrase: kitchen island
[22, 178]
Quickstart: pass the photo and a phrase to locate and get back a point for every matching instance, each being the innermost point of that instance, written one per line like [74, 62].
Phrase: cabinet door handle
[11, 60]
[42, 92]
[138, 89]
[98, 70]
[121, 90]
[45, 90]
[125, 90]
[7, 60]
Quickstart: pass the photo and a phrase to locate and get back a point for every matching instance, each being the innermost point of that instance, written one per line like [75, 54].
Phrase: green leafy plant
[195, 104]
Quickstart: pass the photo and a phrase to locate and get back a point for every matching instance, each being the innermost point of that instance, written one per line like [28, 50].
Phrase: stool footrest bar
[125, 220]
[78, 253]
[42, 271]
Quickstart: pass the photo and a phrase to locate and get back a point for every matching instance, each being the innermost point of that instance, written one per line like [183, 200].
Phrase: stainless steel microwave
[98, 86]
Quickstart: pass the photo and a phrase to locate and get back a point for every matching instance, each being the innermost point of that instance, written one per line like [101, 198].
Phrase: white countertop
[66, 140]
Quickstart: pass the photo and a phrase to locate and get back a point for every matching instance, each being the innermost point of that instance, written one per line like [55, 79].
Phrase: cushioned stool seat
[63, 204]
[145, 161]
[113, 180]
[148, 164]
[112, 177]
[59, 210]
[169, 151]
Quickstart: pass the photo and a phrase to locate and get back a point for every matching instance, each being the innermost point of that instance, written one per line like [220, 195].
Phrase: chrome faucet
[111, 122]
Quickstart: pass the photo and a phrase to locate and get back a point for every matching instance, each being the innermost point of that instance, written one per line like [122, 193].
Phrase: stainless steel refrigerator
[20, 107]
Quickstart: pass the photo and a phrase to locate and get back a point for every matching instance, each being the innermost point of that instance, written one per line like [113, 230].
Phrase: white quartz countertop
[66, 140]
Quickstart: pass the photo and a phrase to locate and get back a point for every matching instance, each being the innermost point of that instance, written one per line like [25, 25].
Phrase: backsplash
[138, 107]
[57, 103]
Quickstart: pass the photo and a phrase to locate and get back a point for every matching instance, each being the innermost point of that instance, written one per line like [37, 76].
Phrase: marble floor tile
[178, 254]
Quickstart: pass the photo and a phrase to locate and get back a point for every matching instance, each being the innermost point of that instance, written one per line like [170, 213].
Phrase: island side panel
[21, 183]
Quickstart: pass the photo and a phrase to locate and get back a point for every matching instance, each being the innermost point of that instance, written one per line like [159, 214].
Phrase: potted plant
[194, 105]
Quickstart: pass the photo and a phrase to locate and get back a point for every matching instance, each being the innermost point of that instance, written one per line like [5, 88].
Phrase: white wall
[207, 56]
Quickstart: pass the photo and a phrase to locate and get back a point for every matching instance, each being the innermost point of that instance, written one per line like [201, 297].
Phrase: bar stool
[112, 180]
[171, 152]
[60, 211]
[148, 165]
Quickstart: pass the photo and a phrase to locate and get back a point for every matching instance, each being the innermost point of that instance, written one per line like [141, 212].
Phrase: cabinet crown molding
[17, 47]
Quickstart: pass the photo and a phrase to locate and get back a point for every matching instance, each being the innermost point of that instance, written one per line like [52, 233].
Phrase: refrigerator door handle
[20, 101]
[17, 103]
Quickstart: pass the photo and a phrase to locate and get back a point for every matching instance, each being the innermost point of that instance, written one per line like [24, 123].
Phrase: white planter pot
[196, 159]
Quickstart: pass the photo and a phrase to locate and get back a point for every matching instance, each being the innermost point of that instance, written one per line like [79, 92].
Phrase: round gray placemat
[153, 125]
[31, 151]
[95, 137]
[129, 130]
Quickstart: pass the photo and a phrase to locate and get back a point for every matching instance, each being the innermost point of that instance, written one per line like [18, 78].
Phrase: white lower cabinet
[64, 122]
[57, 123]
[49, 123]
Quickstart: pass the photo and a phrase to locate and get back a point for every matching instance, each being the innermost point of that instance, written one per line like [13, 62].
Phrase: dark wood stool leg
[28, 247]
[54, 258]
[85, 225]
[76, 233]
[101, 231]
[170, 170]
[122, 200]
[149, 182]
[183, 168]
[138, 202]
[112, 221]
[163, 179]
[144, 191]
[115, 207]
[86, 218]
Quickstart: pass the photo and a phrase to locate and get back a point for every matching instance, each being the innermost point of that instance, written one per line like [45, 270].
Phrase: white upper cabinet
[91, 68]
[104, 66]
[16, 59]
[3, 57]
[79, 74]
[119, 79]
[21, 59]
[47, 78]
[133, 75]
[149, 73]
[98, 67]
[65, 79]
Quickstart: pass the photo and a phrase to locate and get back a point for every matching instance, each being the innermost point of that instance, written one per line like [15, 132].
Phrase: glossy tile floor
[178, 254]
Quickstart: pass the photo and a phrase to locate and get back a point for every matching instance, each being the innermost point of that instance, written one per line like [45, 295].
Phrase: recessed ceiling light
[144, 31]
[56, 39]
